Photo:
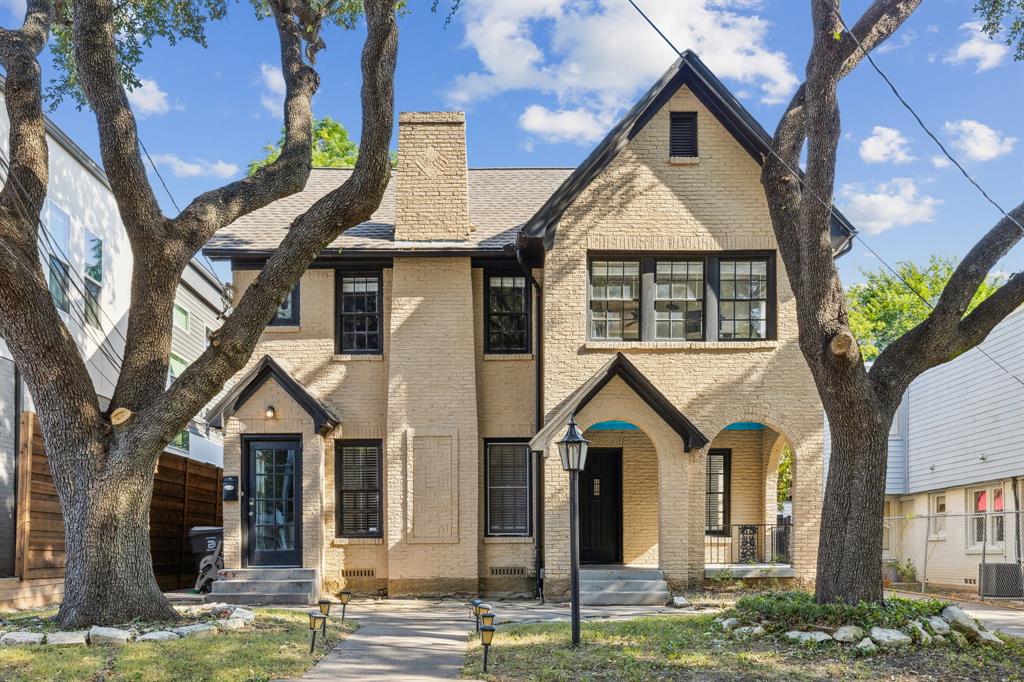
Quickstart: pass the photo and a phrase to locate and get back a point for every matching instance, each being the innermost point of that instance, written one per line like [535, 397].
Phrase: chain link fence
[962, 555]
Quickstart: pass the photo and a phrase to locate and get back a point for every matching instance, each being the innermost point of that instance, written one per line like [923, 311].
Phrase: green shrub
[797, 610]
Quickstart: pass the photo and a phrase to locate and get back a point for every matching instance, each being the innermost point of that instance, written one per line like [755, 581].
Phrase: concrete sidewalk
[1005, 619]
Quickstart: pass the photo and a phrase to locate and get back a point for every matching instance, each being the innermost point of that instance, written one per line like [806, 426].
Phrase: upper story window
[506, 313]
[180, 317]
[181, 439]
[288, 314]
[357, 489]
[175, 367]
[93, 278]
[56, 242]
[359, 302]
[682, 134]
[615, 300]
[685, 297]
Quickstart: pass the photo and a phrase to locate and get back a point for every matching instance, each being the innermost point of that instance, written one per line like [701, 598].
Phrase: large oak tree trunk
[849, 547]
[109, 570]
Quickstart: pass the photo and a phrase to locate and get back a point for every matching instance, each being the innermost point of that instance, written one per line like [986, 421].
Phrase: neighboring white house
[88, 261]
[955, 478]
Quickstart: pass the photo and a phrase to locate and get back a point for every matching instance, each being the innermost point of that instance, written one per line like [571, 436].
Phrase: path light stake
[325, 608]
[317, 620]
[473, 603]
[573, 451]
[486, 635]
[345, 596]
[487, 618]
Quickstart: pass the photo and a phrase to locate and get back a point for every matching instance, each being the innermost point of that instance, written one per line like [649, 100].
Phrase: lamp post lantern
[573, 451]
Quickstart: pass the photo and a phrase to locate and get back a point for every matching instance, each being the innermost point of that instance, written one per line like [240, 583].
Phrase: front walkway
[1008, 619]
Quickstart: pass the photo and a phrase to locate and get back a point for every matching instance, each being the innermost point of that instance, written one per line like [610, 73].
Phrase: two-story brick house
[396, 427]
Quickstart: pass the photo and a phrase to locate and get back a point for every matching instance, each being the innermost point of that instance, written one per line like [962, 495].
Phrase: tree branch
[348, 205]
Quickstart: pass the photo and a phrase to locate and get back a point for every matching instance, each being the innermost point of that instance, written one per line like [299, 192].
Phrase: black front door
[273, 504]
[601, 507]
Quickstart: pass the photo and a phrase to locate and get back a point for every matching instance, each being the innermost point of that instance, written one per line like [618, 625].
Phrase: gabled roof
[267, 368]
[690, 71]
[620, 366]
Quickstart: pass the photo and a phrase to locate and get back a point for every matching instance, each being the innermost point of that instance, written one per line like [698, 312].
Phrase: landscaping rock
[960, 621]
[159, 636]
[231, 624]
[866, 646]
[816, 637]
[989, 638]
[920, 634]
[245, 614]
[938, 626]
[21, 638]
[198, 630]
[729, 623]
[939, 640]
[958, 639]
[749, 631]
[680, 602]
[68, 638]
[101, 635]
[848, 634]
[887, 638]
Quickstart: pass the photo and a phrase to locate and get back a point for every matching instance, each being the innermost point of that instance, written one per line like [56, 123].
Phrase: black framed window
[679, 300]
[615, 300]
[358, 508]
[716, 508]
[682, 134]
[359, 297]
[288, 314]
[743, 299]
[507, 488]
[507, 313]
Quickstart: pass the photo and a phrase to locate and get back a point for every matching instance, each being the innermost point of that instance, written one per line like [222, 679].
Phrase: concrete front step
[262, 586]
[646, 598]
[259, 599]
[267, 574]
[621, 573]
[265, 586]
[622, 585]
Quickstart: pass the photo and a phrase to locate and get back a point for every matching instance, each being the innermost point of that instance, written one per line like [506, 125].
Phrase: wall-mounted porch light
[271, 412]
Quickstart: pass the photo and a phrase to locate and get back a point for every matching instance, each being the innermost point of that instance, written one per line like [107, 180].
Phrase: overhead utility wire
[832, 211]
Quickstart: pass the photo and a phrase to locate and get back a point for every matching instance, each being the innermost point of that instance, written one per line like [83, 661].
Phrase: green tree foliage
[882, 308]
[1004, 19]
[332, 147]
[784, 491]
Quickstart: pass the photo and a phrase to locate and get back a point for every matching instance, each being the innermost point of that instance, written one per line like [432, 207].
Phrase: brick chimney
[432, 202]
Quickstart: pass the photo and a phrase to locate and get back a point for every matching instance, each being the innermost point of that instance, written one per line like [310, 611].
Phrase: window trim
[648, 260]
[188, 321]
[293, 321]
[488, 442]
[726, 492]
[339, 444]
[507, 271]
[339, 275]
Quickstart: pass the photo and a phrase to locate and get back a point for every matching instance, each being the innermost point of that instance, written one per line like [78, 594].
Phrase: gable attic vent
[682, 137]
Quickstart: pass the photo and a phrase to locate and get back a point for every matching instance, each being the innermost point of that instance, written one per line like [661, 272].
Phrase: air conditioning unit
[1000, 580]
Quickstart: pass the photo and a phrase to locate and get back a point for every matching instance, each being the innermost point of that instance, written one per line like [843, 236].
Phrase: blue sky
[542, 81]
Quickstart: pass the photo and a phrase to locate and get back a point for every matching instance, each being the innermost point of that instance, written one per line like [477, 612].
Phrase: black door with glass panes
[272, 502]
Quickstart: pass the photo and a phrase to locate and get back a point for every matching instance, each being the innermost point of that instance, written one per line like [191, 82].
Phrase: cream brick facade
[433, 398]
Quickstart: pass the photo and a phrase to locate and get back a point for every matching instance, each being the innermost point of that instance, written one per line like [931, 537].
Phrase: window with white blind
[357, 484]
[507, 488]
[716, 510]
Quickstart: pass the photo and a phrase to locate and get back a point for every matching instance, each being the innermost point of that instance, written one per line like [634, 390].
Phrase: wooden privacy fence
[186, 493]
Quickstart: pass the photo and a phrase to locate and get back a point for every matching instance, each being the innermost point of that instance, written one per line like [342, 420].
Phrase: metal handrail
[749, 543]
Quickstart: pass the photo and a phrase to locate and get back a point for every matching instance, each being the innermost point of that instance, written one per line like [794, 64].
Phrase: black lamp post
[317, 621]
[573, 451]
[486, 636]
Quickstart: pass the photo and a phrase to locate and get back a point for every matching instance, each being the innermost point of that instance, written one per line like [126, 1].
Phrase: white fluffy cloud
[595, 58]
[887, 205]
[885, 144]
[978, 142]
[148, 99]
[940, 161]
[273, 89]
[979, 48]
[196, 168]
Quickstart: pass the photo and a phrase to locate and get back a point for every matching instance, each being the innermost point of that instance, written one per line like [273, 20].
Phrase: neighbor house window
[679, 300]
[507, 488]
[288, 314]
[615, 300]
[716, 508]
[175, 367]
[682, 134]
[359, 316]
[93, 278]
[357, 484]
[180, 318]
[886, 524]
[57, 242]
[937, 519]
[507, 301]
[987, 522]
[743, 300]
[181, 439]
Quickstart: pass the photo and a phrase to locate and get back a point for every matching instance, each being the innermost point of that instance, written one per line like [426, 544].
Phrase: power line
[832, 211]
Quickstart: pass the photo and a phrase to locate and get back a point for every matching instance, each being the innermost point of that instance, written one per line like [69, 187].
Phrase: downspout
[538, 412]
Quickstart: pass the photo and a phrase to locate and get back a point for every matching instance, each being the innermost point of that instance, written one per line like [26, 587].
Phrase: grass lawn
[276, 646]
[674, 647]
